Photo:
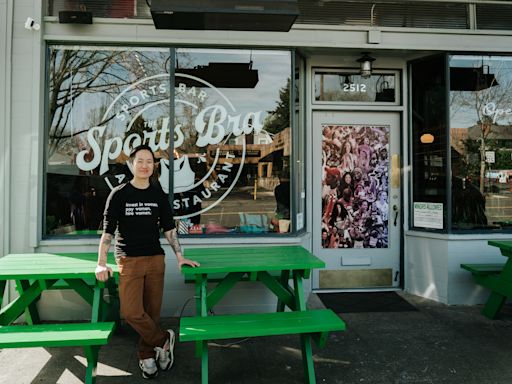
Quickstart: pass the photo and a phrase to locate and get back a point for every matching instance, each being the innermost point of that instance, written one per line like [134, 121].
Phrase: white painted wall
[26, 125]
[425, 267]
[432, 266]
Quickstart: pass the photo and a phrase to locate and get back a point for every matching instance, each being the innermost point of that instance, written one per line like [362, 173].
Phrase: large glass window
[232, 135]
[462, 142]
[481, 141]
[233, 140]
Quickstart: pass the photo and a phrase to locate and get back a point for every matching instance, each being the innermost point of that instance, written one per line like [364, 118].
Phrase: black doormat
[351, 302]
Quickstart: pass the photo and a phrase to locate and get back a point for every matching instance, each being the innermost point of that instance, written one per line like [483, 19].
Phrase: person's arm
[109, 226]
[171, 232]
[172, 238]
[103, 271]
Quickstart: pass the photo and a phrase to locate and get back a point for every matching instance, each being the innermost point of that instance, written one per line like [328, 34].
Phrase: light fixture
[427, 138]
[385, 92]
[365, 62]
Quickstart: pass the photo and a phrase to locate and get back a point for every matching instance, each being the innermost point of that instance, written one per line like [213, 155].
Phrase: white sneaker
[148, 368]
[165, 354]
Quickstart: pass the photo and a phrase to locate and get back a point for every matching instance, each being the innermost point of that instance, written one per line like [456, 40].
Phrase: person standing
[134, 213]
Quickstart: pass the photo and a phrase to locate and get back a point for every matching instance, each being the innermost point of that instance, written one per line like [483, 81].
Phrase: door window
[335, 86]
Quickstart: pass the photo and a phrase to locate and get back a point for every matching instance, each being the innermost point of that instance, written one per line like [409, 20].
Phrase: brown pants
[141, 286]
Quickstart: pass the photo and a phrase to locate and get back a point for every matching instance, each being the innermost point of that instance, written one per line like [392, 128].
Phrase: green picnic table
[496, 277]
[235, 264]
[36, 272]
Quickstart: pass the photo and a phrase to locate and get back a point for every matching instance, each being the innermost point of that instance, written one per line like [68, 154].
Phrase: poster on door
[355, 164]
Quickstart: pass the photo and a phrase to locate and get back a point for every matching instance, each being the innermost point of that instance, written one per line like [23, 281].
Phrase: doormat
[352, 302]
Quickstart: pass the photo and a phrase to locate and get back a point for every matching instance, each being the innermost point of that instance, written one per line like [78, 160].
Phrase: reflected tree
[74, 73]
[475, 102]
[279, 118]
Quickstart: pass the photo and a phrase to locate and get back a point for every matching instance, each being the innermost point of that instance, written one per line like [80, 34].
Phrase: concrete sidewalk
[436, 344]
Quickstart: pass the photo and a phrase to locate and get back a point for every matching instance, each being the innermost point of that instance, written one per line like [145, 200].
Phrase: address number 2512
[354, 87]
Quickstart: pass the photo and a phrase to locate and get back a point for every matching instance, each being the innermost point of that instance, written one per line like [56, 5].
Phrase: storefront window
[428, 142]
[481, 141]
[231, 145]
[461, 142]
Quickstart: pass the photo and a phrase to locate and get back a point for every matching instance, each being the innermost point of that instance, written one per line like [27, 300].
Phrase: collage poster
[355, 163]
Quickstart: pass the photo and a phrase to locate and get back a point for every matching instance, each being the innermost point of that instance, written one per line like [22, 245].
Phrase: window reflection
[351, 86]
[232, 141]
[481, 141]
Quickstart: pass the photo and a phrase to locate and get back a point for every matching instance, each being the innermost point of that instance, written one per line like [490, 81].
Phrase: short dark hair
[140, 148]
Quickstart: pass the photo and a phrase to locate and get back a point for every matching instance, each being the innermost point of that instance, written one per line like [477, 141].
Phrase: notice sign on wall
[428, 215]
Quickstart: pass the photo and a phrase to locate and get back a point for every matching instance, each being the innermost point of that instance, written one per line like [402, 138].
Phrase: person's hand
[182, 261]
[103, 272]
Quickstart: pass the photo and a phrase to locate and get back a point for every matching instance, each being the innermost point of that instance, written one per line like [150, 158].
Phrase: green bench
[90, 336]
[489, 276]
[483, 269]
[315, 324]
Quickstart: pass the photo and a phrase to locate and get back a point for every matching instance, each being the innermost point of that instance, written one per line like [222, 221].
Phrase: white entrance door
[357, 199]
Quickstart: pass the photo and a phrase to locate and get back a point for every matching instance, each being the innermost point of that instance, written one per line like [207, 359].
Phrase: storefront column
[5, 101]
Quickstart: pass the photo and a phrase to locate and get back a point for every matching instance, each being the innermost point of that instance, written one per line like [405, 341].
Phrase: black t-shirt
[135, 217]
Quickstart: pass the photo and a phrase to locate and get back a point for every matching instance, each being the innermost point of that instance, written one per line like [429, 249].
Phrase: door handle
[396, 210]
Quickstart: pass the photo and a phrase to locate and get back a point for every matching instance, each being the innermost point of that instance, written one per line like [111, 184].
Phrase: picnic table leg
[2, 291]
[97, 306]
[15, 308]
[204, 362]
[31, 313]
[285, 276]
[91, 353]
[285, 295]
[300, 302]
[103, 310]
[305, 339]
[114, 305]
[493, 305]
[201, 310]
[307, 359]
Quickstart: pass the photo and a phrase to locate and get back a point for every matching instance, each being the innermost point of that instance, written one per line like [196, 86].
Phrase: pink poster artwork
[355, 163]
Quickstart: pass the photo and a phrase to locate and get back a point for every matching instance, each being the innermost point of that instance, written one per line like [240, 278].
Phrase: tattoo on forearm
[172, 238]
[107, 239]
